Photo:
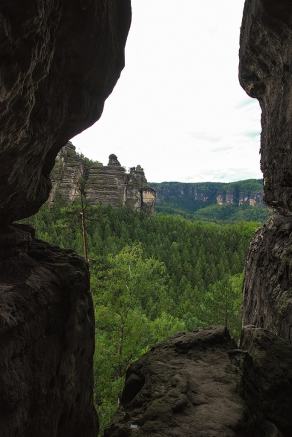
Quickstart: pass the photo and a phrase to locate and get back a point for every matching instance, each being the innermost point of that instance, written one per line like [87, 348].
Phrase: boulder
[190, 385]
[200, 384]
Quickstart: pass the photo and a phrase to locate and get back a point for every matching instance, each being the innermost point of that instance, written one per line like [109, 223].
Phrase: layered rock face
[60, 61]
[268, 278]
[66, 176]
[201, 384]
[193, 196]
[265, 73]
[108, 185]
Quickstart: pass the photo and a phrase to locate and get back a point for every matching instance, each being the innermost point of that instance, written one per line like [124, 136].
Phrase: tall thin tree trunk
[84, 230]
[226, 309]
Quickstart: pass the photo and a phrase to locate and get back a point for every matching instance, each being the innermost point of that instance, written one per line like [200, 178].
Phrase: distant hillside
[242, 200]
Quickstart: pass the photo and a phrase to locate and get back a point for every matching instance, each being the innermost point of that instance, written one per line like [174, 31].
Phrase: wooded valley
[151, 276]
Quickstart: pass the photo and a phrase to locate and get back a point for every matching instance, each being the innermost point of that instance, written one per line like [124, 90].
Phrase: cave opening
[164, 285]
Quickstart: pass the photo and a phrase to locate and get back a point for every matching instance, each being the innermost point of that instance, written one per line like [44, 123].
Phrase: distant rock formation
[193, 196]
[62, 61]
[108, 185]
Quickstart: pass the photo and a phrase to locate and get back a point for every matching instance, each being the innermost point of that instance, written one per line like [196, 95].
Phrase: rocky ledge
[200, 384]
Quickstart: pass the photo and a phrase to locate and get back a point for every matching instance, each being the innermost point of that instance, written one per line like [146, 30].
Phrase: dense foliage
[151, 277]
[230, 213]
[220, 213]
[245, 186]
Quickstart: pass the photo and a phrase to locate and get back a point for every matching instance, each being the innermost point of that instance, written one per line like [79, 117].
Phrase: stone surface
[265, 73]
[47, 340]
[108, 185]
[268, 278]
[67, 173]
[191, 385]
[272, 375]
[61, 60]
[200, 384]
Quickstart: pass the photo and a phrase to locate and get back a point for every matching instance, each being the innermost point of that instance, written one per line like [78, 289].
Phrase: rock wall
[268, 278]
[265, 73]
[194, 196]
[47, 340]
[108, 185]
[60, 61]
[67, 173]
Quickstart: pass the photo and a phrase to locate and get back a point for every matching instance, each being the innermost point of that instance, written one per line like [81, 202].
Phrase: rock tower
[106, 185]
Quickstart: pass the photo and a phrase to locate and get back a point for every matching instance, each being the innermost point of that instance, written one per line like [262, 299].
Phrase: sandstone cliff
[60, 61]
[108, 185]
[265, 73]
[193, 196]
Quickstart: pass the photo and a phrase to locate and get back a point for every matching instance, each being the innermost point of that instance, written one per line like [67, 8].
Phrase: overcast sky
[178, 109]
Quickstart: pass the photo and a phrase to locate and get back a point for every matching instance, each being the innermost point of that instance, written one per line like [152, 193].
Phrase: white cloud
[178, 108]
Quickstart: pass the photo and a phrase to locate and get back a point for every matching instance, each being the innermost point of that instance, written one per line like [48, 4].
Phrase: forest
[219, 213]
[151, 276]
[199, 200]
